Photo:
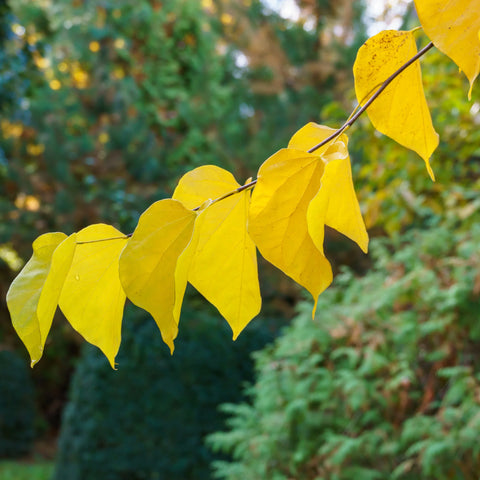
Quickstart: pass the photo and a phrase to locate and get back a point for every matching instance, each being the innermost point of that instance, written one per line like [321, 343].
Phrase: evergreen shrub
[17, 406]
[384, 384]
[148, 419]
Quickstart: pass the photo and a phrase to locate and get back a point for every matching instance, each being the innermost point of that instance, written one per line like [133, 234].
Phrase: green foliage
[17, 406]
[27, 471]
[120, 82]
[148, 419]
[384, 384]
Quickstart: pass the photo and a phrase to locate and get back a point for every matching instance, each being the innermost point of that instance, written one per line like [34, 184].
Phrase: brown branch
[123, 237]
[382, 87]
[352, 119]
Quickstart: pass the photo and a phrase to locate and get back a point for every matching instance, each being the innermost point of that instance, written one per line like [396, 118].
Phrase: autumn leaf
[287, 182]
[401, 111]
[148, 264]
[336, 203]
[33, 296]
[224, 264]
[453, 26]
[92, 298]
[311, 135]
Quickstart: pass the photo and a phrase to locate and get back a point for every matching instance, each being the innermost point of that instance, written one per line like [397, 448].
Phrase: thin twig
[233, 192]
[351, 120]
[123, 237]
[382, 87]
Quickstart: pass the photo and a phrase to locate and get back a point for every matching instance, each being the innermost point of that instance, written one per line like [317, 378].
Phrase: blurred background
[103, 106]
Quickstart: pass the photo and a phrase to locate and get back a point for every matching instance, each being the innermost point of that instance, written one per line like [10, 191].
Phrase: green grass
[23, 471]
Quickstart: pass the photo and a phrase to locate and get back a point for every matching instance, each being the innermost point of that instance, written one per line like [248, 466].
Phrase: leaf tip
[112, 362]
[314, 309]
[470, 90]
[364, 247]
[429, 170]
[363, 240]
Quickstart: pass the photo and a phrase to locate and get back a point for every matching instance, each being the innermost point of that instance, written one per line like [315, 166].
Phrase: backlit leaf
[92, 298]
[183, 266]
[148, 264]
[311, 135]
[287, 182]
[224, 265]
[401, 111]
[453, 26]
[33, 296]
[336, 203]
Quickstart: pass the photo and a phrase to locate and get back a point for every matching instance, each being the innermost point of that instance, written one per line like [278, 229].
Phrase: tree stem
[351, 120]
[382, 87]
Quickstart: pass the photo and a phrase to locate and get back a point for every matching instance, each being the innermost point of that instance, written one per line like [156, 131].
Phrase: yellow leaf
[287, 182]
[312, 134]
[453, 26]
[61, 263]
[401, 111]
[33, 296]
[183, 267]
[336, 203]
[148, 264]
[224, 265]
[92, 298]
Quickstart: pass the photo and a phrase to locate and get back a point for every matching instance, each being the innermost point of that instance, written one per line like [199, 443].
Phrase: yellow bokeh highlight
[80, 78]
[103, 137]
[190, 39]
[118, 73]
[32, 38]
[42, 62]
[10, 257]
[63, 66]
[119, 43]
[55, 84]
[27, 202]
[11, 130]
[94, 46]
[18, 30]
[117, 13]
[35, 149]
[208, 5]
[226, 19]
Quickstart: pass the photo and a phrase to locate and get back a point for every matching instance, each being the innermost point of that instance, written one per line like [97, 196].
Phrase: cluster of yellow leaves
[208, 232]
